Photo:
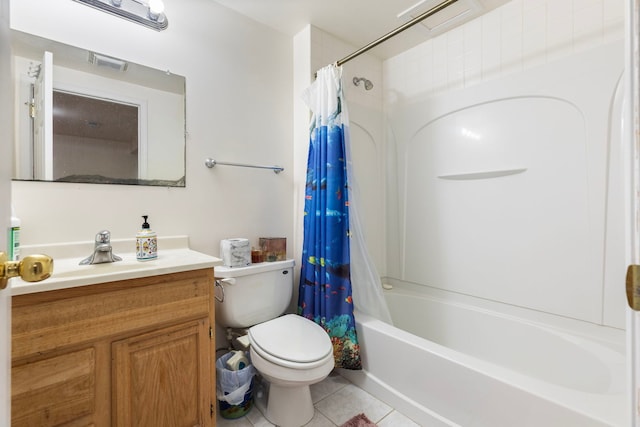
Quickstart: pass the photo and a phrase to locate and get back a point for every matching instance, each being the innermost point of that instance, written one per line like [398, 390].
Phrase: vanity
[123, 344]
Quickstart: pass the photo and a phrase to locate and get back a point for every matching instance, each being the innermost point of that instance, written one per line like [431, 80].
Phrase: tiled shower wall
[509, 39]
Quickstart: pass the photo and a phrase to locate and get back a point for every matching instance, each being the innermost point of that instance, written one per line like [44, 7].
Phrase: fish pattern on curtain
[325, 281]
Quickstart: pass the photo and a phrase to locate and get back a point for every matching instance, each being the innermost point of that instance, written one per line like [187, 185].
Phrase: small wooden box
[273, 248]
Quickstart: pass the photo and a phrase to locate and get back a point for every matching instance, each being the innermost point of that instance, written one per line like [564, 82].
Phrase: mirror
[90, 118]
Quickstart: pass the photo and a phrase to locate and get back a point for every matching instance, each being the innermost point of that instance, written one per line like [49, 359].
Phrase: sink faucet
[102, 251]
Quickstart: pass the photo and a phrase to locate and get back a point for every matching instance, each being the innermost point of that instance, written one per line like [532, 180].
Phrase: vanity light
[149, 13]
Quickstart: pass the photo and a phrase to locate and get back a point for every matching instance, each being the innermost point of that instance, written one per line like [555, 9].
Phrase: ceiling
[360, 22]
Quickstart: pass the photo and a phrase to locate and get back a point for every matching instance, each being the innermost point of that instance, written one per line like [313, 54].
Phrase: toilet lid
[292, 338]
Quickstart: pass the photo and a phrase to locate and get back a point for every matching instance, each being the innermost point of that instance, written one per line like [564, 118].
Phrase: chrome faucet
[102, 251]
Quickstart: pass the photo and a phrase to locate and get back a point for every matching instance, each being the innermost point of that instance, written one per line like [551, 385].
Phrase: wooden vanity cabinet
[136, 353]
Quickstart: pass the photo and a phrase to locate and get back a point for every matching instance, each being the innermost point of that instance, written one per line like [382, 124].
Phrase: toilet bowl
[289, 351]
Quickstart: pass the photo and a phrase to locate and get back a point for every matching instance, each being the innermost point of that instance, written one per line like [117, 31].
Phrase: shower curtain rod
[397, 31]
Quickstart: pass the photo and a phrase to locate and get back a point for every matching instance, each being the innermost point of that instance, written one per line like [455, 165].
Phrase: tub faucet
[102, 251]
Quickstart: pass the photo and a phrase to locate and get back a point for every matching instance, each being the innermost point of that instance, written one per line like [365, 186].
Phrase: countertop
[174, 255]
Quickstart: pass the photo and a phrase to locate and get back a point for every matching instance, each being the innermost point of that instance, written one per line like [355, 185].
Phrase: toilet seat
[292, 341]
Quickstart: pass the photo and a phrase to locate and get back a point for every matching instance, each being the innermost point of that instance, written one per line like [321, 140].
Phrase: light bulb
[156, 7]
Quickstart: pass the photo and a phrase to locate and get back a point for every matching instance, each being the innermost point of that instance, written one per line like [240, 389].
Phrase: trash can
[234, 384]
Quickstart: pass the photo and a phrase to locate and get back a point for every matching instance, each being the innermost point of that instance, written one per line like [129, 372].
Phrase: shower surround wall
[514, 38]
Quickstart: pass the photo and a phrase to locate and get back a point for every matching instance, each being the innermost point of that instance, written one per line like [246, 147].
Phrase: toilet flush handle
[219, 282]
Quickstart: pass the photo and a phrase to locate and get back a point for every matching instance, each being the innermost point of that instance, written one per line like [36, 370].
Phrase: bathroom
[256, 76]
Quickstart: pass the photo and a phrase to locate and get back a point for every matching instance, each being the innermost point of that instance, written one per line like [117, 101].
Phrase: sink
[173, 256]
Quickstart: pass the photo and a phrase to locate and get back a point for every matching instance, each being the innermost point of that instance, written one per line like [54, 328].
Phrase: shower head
[367, 83]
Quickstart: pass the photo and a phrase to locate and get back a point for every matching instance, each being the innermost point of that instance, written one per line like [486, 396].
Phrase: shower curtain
[325, 280]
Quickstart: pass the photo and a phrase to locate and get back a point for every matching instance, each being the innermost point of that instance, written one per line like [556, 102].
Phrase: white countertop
[174, 256]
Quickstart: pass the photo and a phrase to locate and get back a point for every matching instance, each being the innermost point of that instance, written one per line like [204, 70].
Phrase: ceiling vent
[107, 62]
[449, 17]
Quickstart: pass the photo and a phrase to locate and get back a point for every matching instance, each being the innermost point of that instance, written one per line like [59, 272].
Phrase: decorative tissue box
[235, 252]
[273, 248]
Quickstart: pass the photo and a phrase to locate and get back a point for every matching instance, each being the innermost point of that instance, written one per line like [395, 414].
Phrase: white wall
[238, 76]
[302, 78]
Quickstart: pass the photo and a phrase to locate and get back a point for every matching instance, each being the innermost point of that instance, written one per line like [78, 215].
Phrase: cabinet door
[55, 390]
[162, 379]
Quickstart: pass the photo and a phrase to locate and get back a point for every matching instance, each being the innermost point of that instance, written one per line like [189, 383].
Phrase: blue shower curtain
[325, 282]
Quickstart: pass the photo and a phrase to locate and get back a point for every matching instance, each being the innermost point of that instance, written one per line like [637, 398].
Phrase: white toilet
[290, 352]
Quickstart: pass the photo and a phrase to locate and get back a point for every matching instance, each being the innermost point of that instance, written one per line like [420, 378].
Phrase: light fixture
[149, 13]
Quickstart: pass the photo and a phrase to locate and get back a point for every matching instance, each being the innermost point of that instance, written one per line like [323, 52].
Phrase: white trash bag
[231, 386]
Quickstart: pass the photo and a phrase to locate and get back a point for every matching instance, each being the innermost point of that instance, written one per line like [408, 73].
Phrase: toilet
[289, 351]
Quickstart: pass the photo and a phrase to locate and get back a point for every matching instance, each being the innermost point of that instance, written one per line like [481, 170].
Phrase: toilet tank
[253, 294]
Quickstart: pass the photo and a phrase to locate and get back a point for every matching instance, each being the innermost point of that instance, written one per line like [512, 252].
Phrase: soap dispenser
[146, 242]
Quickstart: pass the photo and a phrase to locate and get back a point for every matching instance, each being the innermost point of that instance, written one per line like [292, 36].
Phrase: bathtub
[464, 365]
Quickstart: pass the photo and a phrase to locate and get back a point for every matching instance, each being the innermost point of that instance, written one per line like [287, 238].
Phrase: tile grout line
[385, 416]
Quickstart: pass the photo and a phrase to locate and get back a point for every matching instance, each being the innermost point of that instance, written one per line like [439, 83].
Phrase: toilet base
[288, 406]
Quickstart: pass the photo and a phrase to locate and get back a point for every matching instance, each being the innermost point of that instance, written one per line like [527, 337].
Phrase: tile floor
[329, 397]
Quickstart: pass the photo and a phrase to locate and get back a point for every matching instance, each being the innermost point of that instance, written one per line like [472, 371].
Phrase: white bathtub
[476, 367]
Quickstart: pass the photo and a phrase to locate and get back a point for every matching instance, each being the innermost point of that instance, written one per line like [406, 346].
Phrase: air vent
[107, 62]
[447, 18]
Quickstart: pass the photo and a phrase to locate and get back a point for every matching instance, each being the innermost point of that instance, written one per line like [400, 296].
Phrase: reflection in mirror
[86, 117]
[93, 136]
